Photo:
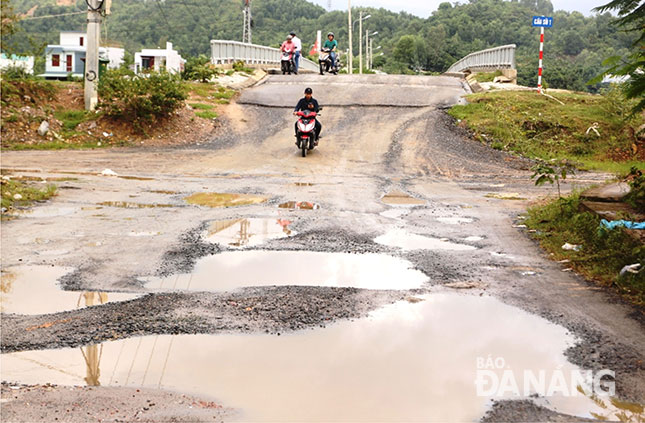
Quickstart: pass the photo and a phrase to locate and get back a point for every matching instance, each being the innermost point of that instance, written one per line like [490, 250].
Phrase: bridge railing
[502, 57]
[225, 52]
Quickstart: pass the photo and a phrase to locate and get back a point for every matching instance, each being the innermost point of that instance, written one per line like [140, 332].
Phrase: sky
[424, 8]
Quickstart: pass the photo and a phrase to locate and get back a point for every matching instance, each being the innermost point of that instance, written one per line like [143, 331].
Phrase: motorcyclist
[308, 102]
[290, 47]
[332, 45]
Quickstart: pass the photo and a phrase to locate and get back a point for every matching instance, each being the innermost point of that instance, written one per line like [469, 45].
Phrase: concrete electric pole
[360, 42]
[94, 8]
[350, 60]
[246, 35]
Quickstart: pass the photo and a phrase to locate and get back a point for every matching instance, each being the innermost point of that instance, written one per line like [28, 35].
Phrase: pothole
[395, 213]
[216, 199]
[403, 239]
[400, 197]
[299, 205]
[238, 233]
[33, 290]
[44, 212]
[237, 269]
[409, 361]
[455, 220]
[130, 205]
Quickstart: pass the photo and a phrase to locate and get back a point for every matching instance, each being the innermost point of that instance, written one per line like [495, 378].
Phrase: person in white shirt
[298, 44]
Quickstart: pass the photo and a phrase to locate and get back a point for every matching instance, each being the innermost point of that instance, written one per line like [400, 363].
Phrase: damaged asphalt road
[410, 188]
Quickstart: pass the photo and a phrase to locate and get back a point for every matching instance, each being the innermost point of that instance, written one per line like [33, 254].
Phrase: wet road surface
[382, 224]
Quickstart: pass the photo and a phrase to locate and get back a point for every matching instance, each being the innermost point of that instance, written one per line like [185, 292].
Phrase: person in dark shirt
[308, 102]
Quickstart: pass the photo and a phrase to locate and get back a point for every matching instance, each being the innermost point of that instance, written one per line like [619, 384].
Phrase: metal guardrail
[493, 58]
[225, 52]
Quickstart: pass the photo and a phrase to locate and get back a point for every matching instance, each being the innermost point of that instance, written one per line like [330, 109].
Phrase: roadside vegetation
[599, 255]
[133, 110]
[22, 194]
[597, 131]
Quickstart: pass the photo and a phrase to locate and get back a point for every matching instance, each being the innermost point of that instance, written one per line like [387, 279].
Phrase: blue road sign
[545, 21]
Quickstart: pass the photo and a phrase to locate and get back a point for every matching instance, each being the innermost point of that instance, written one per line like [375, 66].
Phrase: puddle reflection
[299, 205]
[231, 270]
[410, 361]
[247, 232]
[33, 290]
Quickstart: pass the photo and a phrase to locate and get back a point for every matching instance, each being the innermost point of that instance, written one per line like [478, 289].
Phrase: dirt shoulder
[29, 403]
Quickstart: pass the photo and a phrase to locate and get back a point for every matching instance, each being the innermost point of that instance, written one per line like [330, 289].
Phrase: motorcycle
[325, 62]
[306, 135]
[287, 63]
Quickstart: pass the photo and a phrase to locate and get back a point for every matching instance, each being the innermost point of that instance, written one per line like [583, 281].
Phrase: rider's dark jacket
[303, 104]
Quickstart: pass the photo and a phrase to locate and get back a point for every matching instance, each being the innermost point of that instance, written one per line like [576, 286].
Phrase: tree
[632, 19]
[9, 24]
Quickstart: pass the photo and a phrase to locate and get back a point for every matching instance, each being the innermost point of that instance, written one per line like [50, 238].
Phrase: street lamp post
[360, 41]
[367, 47]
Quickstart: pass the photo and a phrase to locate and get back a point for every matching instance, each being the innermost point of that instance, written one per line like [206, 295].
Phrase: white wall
[72, 38]
[25, 62]
[114, 55]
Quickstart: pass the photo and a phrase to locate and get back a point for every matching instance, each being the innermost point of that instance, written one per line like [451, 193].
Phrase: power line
[51, 16]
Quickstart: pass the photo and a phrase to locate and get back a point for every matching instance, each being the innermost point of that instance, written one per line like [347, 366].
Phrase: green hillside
[574, 50]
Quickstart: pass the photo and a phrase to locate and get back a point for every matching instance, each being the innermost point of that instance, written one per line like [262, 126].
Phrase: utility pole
[350, 61]
[92, 52]
[246, 34]
[360, 42]
[367, 49]
[371, 56]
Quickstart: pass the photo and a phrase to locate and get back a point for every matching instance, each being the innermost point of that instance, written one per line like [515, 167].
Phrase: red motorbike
[306, 134]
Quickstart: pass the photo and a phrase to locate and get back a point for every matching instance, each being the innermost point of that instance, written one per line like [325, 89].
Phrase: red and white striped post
[539, 84]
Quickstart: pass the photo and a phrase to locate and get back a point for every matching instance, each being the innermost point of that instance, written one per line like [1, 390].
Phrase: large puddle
[238, 233]
[223, 199]
[407, 241]
[236, 269]
[33, 290]
[405, 362]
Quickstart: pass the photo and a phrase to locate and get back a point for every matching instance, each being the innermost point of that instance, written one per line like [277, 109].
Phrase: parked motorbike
[288, 64]
[306, 134]
[325, 62]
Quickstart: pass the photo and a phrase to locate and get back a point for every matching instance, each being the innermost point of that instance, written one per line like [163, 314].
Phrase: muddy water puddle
[405, 240]
[239, 233]
[236, 269]
[46, 212]
[410, 361]
[131, 205]
[34, 290]
[217, 199]
[401, 198]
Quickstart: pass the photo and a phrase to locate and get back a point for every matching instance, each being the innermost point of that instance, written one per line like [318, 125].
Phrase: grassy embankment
[534, 126]
[525, 123]
[28, 101]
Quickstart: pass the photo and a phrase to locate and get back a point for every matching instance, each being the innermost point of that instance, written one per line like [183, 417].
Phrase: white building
[68, 57]
[25, 62]
[157, 59]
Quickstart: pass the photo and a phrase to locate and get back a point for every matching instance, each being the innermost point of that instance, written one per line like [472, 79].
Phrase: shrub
[636, 196]
[140, 99]
[18, 86]
[199, 69]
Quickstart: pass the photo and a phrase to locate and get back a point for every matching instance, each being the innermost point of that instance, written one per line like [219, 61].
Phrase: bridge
[497, 58]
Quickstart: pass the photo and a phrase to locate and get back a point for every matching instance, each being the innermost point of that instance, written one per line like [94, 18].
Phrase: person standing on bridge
[308, 102]
[298, 43]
